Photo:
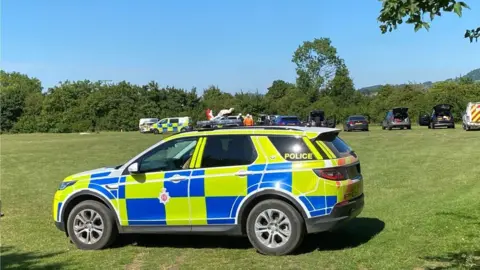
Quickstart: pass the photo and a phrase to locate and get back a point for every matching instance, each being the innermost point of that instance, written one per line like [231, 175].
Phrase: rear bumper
[355, 127]
[473, 124]
[400, 125]
[340, 215]
[444, 124]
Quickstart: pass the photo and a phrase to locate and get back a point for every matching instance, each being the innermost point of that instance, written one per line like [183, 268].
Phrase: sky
[235, 45]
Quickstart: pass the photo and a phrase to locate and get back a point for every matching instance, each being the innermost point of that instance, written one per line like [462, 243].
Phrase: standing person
[248, 121]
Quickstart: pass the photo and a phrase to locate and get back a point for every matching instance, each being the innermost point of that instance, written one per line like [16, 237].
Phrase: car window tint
[339, 147]
[228, 151]
[292, 148]
[357, 118]
[168, 156]
[174, 120]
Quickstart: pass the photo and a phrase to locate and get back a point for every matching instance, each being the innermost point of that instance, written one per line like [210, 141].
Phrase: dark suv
[442, 116]
[397, 118]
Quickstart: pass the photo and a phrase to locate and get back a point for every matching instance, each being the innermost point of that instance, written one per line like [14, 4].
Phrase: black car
[355, 122]
[424, 120]
[316, 118]
[397, 118]
[442, 116]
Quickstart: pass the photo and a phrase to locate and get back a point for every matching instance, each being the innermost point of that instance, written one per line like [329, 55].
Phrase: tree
[316, 62]
[394, 11]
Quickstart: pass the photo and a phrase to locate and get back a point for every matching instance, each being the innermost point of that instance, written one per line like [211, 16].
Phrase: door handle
[113, 186]
[177, 178]
[241, 173]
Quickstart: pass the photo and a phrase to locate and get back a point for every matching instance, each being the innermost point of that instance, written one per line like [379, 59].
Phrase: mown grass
[422, 210]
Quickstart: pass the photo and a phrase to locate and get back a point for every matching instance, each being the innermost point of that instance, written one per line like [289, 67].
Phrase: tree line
[323, 82]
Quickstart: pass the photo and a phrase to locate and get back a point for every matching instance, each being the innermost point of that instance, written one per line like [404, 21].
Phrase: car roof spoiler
[327, 136]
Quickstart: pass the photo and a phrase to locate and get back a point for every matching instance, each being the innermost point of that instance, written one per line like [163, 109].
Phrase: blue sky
[236, 45]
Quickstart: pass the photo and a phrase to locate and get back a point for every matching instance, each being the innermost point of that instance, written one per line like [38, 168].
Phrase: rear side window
[221, 151]
[339, 147]
[292, 148]
[174, 120]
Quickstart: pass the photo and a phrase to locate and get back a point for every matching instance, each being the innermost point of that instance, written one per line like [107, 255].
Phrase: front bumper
[60, 226]
[341, 213]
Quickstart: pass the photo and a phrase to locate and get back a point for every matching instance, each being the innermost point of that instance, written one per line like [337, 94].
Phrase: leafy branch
[393, 13]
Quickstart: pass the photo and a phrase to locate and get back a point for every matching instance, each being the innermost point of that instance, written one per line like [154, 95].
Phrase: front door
[158, 195]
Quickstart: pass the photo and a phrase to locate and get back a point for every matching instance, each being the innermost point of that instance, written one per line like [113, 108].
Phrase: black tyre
[275, 227]
[383, 127]
[155, 131]
[183, 130]
[389, 128]
[91, 225]
[409, 127]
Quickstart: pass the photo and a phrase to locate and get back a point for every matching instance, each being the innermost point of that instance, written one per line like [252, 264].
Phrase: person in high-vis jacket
[248, 121]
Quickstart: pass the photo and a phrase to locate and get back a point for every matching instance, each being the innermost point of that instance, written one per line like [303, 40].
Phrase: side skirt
[231, 230]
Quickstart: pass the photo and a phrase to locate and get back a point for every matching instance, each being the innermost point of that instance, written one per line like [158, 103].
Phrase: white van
[145, 124]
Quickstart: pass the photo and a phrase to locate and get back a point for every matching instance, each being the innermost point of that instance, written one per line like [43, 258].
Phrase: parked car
[442, 116]
[221, 121]
[397, 118]
[316, 118]
[355, 122]
[272, 185]
[282, 120]
[172, 124]
[424, 120]
[145, 124]
[471, 116]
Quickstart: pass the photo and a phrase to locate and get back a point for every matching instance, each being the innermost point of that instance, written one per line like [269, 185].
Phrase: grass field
[422, 191]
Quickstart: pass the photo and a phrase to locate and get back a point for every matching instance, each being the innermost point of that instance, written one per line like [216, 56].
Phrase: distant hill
[371, 90]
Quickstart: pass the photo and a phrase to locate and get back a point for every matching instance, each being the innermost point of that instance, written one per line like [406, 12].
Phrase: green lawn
[422, 191]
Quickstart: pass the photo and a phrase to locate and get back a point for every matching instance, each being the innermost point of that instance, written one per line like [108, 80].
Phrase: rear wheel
[389, 128]
[183, 130]
[409, 127]
[275, 227]
[90, 225]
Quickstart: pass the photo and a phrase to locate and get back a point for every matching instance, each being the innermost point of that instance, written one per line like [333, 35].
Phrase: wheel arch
[253, 200]
[81, 196]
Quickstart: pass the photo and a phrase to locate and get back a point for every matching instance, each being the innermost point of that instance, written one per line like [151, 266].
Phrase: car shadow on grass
[355, 233]
[11, 258]
[454, 260]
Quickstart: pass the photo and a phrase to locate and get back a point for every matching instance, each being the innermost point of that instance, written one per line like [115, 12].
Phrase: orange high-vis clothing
[248, 121]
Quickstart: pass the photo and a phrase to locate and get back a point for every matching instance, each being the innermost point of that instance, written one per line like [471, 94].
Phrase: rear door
[173, 125]
[221, 178]
[475, 113]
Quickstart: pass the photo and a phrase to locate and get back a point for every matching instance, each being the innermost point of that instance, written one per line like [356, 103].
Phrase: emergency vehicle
[272, 184]
[471, 117]
[172, 124]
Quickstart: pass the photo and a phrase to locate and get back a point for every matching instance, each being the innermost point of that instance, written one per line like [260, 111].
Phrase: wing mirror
[133, 168]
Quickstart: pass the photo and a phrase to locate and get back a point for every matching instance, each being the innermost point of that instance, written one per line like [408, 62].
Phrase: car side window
[230, 150]
[170, 156]
[292, 148]
[174, 121]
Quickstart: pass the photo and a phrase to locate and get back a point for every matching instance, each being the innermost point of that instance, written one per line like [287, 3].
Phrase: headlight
[64, 185]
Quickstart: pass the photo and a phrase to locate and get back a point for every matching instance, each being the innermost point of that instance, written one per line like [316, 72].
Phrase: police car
[271, 184]
[172, 124]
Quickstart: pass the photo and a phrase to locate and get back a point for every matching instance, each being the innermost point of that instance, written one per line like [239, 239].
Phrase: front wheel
[155, 131]
[90, 226]
[275, 227]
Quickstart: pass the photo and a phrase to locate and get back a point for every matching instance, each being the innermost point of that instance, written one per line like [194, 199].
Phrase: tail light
[335, 174]
[281, 123]
[350, 123]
